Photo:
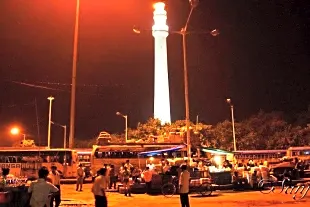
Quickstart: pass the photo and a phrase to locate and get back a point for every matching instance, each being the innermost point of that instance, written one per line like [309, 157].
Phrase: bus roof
[14, 149]
[260, 151]
[83, 149]
[138, 144]
[299, 148]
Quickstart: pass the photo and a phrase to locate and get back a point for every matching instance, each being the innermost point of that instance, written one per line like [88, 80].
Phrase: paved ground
[218, 199]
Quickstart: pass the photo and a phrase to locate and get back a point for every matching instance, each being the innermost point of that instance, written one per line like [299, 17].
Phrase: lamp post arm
[57, 124]
[188, 18]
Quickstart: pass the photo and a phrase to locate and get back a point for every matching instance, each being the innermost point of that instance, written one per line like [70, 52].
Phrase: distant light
[136, 31]
[15, 131]
[217, 160]
[50, 98]
[194, 3]
[215, 32]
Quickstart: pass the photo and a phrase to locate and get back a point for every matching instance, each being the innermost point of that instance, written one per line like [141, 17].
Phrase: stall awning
[155, 152]
[216, 151]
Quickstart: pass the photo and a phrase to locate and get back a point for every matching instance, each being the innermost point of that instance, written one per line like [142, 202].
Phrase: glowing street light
[126, 124]
[232, 122]
[16, 131]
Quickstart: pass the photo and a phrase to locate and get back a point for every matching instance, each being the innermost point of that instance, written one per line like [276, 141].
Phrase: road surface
[218, 199]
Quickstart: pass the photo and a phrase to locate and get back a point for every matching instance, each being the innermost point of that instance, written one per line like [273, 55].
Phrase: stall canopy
[215, 151]
[155, 152]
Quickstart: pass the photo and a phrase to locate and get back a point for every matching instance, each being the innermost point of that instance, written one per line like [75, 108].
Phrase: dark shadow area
[204, 196]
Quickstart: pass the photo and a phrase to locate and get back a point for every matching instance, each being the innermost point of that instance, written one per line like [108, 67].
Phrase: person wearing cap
[54, 177]
[80, 178]
[99, 187]
[184, 180]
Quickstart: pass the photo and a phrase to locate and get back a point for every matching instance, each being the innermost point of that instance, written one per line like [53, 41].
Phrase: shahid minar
[161, 83]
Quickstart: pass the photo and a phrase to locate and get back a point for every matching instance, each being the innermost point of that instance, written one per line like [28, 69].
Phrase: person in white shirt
[55, 180]
[184, 180]
[80, 178]
[41, 190]
[98, 189]
[151, 166]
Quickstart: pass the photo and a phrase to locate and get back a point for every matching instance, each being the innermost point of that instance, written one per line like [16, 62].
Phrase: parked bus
[260, 155]
[84, 156]
[302, 153]
[25, 161]
[117, 154]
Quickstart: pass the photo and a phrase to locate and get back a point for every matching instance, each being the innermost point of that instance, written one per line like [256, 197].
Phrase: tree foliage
[260, 131]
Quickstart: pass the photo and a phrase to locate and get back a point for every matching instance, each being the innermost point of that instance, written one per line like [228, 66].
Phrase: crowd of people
[46, 190]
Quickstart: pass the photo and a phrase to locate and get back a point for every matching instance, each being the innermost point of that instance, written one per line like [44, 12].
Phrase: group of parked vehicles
[25, 161]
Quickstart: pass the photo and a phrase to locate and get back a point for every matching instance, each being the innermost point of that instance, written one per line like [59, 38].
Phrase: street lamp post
[51, 98]
[74, 66]
[232, 122]
[65, 132]
[126, 124]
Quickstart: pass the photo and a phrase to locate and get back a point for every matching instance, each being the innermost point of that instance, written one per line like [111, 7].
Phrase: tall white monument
[161, 92]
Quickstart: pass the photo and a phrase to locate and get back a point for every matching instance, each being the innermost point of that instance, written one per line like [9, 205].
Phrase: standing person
[147, 176]
[113, 177]
[108, 174]
[40, 190]
[184, 180]
[80, 178]
[98, 189]
[128, 165]
[126, 184]
[55, 180]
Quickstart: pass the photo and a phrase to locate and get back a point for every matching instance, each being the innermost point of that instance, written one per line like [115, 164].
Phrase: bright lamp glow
[159, 6]
[217, 160]
[161, 91]
[15, 131]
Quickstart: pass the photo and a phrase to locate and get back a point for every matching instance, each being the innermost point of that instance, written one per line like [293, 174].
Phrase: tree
[303, 118]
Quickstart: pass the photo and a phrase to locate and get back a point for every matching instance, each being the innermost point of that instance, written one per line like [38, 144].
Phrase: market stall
[220, 170]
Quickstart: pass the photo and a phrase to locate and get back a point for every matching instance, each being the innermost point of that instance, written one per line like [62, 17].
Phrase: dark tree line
[260, 131]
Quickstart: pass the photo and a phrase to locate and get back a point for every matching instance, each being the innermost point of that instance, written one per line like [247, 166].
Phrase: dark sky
[261, 60]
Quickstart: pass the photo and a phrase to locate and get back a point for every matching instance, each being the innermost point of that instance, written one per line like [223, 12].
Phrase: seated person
[254, 180]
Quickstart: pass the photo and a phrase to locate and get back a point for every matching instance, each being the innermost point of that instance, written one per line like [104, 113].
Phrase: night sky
[261, 60]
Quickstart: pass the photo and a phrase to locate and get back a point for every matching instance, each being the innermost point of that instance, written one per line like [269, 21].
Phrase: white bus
[260, 155]
[25, 161]
[84, 156]
[302, 153]
[116, 154]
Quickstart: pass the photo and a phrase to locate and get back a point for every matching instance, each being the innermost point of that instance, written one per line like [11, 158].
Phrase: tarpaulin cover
[154, 152]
